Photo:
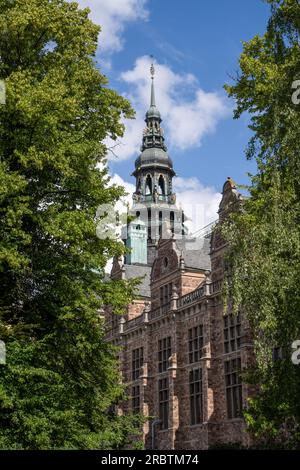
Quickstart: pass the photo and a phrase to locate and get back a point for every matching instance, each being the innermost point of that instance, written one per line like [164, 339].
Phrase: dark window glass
[137, 363]
[164, 352]
[172, 221]
[163, 393]
[195, 343]
[232, 333]
[233, 385]
[149, 223]
[136, 399]
[196, 398]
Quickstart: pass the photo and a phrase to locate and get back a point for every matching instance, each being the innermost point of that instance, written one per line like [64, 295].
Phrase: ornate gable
[230, 197]
[167, 259]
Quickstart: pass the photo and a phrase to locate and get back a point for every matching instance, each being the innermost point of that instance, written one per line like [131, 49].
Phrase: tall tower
[154, 201]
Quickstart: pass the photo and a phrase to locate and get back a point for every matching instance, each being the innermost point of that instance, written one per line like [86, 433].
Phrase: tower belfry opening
[161, 185]
[148, 185]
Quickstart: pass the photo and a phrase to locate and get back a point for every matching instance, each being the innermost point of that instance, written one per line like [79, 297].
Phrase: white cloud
[129, 188]
[112, 16]
[129, 145]
[200, 203]
[187, 119]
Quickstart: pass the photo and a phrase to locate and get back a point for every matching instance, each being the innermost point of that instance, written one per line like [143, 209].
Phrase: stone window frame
[149, 221]
[161, 295]
[233, 386]
[165, 293]
[232, 332]
[162, 185]
[160, 223]
[172, 221]
[163, 402]
[148, 184]
[164, 353]
[196, 396]
[137, 361]
[195, 342]
[136, 399]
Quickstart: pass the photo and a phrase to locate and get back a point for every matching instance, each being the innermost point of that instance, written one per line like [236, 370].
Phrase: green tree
[61, 379]
[264, 239]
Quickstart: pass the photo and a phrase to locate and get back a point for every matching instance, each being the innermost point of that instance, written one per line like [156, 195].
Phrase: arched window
[161, 185]
[138, 185]
[148, 185]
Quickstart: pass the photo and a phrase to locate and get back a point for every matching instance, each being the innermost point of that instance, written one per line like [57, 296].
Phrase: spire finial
[152, 72]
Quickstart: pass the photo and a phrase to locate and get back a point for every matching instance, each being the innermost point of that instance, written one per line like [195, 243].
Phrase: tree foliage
[265, 238]
[61, 379]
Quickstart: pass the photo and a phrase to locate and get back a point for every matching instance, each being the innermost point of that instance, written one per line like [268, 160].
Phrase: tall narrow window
[160, 224]
[233, 388]
[232, 332]
[115, 319]
[164, 352]
[136, 399]
[170, 287]
[163, 397]
[166, 296]
[137, 363]
[149, 224]
[196, 398]
[172, 221]
[161, 295]
[166, 293]
[161, 185]
[195, 343]
[148, 185]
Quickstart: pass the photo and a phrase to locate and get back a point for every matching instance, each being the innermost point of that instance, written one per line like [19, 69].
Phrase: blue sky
[196, 45]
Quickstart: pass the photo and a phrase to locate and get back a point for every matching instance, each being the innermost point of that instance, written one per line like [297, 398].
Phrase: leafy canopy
[61, 377]
[265, 237]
